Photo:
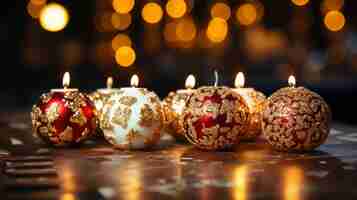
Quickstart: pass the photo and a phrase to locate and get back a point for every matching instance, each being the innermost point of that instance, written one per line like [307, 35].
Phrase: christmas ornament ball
[296, 119]
[132, 118]
[173, 107]
[99, 97]
[256, 101]
[64, 118]
[215, 118]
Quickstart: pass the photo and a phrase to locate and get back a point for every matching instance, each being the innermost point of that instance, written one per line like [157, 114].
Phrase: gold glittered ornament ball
[255, 101]
[215, 117]
[100, 96]
[296, 119]
[64, 117]
[173, 106]
[132, 118]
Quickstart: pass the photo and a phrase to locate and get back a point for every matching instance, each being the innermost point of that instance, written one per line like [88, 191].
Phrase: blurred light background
[165, 40]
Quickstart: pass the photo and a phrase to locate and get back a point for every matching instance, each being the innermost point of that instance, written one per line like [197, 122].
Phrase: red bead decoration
[64, 118]
[215, 118]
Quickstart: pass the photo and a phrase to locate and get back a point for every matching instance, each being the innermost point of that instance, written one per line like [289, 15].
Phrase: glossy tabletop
[32, 170]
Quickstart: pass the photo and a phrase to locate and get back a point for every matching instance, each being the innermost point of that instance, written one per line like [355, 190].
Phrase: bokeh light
[105, 22]
[34, 9]
[247, 14]
[123, 6]
[121, 21]
[176, 8]
[186, 30]
[152, 13]
[54, 17]
[334, 20]
[300, 2]
[217, 30]
[170, 32]
[221, 10]
[38, 2]
[328, 5]
[120, 40]
[125, 56]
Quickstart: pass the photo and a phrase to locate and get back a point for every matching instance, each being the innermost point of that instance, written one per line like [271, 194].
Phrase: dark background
[33, 60]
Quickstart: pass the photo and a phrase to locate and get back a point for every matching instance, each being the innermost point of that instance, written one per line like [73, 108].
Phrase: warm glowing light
[125, 56]
[292, 81]
[109, 82]
[217, 30]
[120, 40]
[68, 196]
[190, 82]
[240, 183]
[170, 31]
[34, 10]
[121, 21]
[247, 14]
[134, 81]
[293, 182]
[66, 80]
[176, 8]
[68, 182]
[38, 2]
[152, 13]
[123, 6]
[329, 5]
[239, 80]
[54, 17]
[334, 20]
[300, 2]
[185, 30]
[221, 10]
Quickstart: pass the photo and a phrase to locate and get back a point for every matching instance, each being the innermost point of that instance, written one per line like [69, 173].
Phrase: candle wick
[216, 78]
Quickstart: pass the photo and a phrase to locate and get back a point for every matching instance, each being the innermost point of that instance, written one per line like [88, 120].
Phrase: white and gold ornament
[100, 96]
[132, 118]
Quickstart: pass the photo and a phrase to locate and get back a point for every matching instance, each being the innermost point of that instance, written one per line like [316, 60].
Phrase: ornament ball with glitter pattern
[296, 119]
[215, 118]
[132, 118]
[64, 118]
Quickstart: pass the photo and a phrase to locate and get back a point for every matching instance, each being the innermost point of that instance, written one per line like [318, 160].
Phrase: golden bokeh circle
[176, 8]
[217, 30]
[123, 6]
[54, 17]
[334, 20]
[125, 56]
[152, 13]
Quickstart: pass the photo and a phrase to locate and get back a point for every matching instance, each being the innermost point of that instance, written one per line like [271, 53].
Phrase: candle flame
[66, 80]
[109, 82]
[240, 80]
[134, 81]
[190, 82]
[292, 81]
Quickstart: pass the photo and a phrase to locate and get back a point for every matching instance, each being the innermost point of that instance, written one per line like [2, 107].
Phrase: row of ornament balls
[211, 118]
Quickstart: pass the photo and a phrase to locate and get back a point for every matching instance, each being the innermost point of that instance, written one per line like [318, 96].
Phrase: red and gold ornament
[64, 117]
[296, 119]
[173, 107]
[215, 117]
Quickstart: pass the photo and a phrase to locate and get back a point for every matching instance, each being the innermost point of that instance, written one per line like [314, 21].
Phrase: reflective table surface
[32, 170]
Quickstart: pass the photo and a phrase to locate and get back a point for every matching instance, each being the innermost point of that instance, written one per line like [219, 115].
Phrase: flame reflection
[240, 177]
[293, 179]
